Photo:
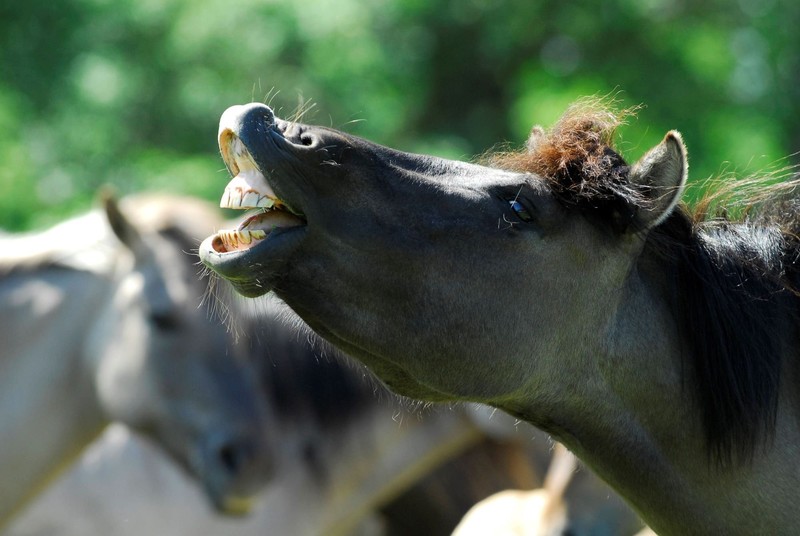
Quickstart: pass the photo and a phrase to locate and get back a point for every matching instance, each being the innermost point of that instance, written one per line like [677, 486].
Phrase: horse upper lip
[249, 187]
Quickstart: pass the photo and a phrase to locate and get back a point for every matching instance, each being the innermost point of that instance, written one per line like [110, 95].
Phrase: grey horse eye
[164, 321]
[520, 210]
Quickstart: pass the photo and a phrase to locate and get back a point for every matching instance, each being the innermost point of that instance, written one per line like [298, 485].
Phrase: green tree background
[129, 93]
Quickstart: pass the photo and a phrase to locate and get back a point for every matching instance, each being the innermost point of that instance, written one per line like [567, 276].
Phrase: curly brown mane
[580, 138]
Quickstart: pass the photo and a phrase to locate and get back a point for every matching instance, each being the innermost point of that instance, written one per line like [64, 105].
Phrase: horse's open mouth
[247, 190]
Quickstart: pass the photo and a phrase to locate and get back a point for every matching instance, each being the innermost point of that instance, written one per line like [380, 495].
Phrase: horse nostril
[231, 458]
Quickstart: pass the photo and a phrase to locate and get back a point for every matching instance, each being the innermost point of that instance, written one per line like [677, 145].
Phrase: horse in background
[541, 512]
[102, 321]
[567, 503]
[350, 457]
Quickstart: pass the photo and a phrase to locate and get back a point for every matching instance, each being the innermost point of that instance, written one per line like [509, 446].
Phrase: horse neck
[642, 431]
[48, 407]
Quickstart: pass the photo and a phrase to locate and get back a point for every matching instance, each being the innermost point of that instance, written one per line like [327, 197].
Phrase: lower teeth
[240, 239]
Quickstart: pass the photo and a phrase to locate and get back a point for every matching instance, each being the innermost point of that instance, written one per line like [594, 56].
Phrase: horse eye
[164, 321]
[520, 210]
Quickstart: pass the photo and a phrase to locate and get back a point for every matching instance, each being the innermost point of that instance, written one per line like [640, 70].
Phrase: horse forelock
[577, 160]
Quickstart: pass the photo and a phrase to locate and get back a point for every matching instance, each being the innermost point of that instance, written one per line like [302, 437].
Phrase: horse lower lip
[269, 256]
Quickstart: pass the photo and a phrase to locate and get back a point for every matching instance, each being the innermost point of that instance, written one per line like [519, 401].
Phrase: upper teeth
[249, 188]
[236, 196]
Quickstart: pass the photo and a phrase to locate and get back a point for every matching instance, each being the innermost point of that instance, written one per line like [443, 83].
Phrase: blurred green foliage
[129, 92]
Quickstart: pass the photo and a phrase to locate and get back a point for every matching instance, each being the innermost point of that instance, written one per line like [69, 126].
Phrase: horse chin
[231, 495]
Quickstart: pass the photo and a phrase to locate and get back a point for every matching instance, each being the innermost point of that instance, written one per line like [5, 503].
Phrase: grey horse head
[167, 367]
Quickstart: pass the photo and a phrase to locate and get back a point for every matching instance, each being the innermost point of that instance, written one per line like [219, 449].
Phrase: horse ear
[661, 177]
[536, 135]
[127, 233]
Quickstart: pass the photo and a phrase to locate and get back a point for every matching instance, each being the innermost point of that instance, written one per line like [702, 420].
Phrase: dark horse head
[404, 260]
[433, 272]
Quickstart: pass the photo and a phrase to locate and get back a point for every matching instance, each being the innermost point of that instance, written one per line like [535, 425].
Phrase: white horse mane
[87, 243]
[81, 243]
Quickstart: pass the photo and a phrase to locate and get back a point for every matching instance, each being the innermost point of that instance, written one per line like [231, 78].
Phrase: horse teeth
[249, 199]
[248, 189]
[235, 197]
[234, 240]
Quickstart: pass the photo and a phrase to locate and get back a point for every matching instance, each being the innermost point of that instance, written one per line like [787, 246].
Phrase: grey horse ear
[127, 233]
[660, 175]
[536, 135]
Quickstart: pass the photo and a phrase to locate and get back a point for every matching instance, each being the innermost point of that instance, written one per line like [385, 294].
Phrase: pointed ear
[660, 175]
[536, 135]
[127, 233]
